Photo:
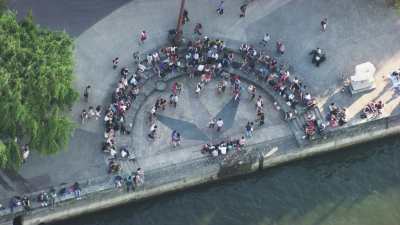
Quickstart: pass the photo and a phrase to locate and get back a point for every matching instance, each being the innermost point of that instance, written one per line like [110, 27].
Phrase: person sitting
[26, 203]
[242, 142]
[206, 148]
[333, 109]
[124, 72]
[379, 107]
[113, 167]
[214, 151]
[221, 86]
[222, 148]
[43, 199]
[311, 103]
[124, 152]
[310, 126]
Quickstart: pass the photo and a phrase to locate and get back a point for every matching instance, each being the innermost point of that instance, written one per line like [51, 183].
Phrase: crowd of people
[221, 148]
[131, 182]
[372, 110]
[45, 198]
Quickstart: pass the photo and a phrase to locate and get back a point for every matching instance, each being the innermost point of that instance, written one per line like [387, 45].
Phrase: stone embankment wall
[253, 159]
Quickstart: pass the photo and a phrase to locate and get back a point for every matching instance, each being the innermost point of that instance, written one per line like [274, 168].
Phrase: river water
[358, 186]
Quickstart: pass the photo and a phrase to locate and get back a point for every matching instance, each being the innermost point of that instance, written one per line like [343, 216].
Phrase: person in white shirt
[222, 149]
[220, 124]
[25, 153]
[266, 39]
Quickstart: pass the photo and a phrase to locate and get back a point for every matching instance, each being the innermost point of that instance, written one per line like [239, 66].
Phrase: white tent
[363, 78]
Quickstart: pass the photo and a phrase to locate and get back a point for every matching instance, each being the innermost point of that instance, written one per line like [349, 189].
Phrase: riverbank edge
[258, 161]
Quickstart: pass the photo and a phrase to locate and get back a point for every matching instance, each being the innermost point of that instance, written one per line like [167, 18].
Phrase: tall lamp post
[178, 33]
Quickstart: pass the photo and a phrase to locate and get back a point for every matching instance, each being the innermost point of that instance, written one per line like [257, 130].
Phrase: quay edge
[252, 162]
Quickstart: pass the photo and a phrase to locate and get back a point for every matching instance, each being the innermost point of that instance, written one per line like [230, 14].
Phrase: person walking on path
[143, 37]
[220, 8]
[249, 129]
[115, 63]
[185, 16]
[243, 9]
[197, 29]
[86, 93]
[266, 39]
[175, 138]
[220, 124]
[324, 23]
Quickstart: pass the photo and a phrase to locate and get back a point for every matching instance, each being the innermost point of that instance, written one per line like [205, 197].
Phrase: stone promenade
[358, 31]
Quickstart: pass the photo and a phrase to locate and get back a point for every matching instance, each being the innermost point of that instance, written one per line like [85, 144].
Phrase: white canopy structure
[363, 78]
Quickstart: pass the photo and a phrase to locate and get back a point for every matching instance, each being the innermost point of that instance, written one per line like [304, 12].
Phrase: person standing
[259, 103]
[220, 8]
[84, 116]
[249, 129]
[261, 116]
[86, 93]
[199, 86]
[175, 138]
[91, 112]
[197, 29]
[173, 100]
[139, 176]
[25, 153]
[98, 112]
[143, 37]
[185, 16]
[324, 23]
[266, 39]
[243, 9]
[129, 183]
[174, 88]
[220, 124]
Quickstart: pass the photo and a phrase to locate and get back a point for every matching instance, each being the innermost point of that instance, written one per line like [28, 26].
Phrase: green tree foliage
[36, 72]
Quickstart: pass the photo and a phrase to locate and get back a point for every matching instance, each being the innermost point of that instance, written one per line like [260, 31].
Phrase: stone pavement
[358, 31]
[191, 118]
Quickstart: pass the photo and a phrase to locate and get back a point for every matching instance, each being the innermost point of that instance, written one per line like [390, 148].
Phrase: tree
[36, 73]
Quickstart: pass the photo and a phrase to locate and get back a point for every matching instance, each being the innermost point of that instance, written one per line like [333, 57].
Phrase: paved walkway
[358, 31]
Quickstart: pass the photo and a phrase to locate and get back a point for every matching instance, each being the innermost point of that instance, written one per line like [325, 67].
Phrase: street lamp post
[178, 33]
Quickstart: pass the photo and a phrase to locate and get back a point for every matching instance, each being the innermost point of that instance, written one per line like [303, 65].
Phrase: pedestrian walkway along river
[355, 187]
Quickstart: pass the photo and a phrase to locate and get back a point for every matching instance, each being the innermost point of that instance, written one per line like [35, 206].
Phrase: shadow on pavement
[73, 16]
